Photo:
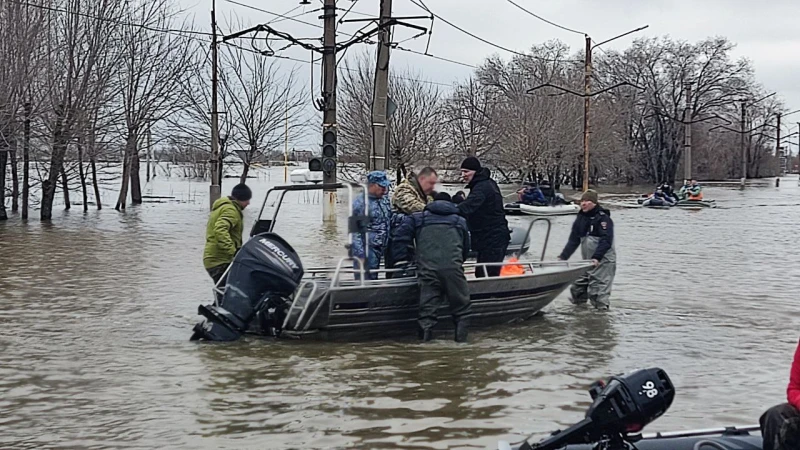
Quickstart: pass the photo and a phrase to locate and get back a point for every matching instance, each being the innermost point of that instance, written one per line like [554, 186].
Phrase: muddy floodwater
[96, 311]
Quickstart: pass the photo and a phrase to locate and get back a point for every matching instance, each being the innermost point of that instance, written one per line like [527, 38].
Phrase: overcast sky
[767, 33]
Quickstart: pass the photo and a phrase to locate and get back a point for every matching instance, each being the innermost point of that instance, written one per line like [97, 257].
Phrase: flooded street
[97, 309]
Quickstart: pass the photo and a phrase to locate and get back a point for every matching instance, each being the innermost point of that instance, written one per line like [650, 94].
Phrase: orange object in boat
[512, 269]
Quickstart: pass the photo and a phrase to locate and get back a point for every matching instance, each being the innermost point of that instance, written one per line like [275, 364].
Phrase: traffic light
[315, 165]
[329, 150]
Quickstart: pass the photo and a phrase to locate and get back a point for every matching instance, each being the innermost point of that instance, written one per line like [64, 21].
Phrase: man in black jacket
[593, 231]
[485, 215]
[442, 242]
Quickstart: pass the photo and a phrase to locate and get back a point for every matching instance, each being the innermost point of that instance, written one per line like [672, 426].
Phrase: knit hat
[590, 195]
[241, 192]
[378, 177]
[443, 196]
[471, 163]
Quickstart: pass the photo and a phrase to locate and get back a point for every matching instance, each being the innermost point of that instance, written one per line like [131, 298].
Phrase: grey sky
[766, 32]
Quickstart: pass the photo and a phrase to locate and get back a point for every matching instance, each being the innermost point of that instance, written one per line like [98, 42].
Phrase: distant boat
[305, 176]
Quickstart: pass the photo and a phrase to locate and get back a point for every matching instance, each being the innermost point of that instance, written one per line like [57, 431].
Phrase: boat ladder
[302, 301]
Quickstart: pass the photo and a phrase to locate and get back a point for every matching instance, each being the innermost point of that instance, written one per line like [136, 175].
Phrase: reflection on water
[97, 310]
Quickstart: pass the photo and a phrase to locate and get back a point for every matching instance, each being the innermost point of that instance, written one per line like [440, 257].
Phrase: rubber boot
[425, 335]
[461, 331]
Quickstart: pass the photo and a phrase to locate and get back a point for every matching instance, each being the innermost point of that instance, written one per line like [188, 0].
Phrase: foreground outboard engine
[622, 406]
[263, 276]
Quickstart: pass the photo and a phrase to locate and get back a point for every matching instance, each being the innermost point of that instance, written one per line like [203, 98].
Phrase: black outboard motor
[263, 276]
[622, 406]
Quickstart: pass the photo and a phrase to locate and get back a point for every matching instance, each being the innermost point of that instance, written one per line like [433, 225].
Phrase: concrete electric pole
[215, 189]
[379, 156]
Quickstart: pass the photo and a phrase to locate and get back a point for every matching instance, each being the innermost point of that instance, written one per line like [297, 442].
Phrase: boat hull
[390, 307]
[747, 442]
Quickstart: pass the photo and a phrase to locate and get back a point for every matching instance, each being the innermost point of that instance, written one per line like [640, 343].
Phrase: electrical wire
[316, 63]
[472, 35]
[183, 33]
[283, 16]
[485, 41]
[452, 61]
[545, 20]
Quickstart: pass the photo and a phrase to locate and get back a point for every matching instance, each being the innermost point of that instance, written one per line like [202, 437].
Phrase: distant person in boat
[442, 243]
[593, 231]
[486, 216]
[224, 231]
[409, 197]
[659, 194]
[780, 425]
[531, 195]
[691, 190]
[380, 216]
[669, 191]
[695, 191]
[552, 197]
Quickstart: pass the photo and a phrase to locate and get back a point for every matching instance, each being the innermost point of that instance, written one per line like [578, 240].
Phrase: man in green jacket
[224, 231]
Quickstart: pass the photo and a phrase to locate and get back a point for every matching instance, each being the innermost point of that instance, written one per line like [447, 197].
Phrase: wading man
[593, 231]
[224, 231]
[442, 244]
[485, 215]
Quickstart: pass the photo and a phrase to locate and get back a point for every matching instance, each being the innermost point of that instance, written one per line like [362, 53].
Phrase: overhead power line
[289, 58]
[485, 41]
[283, 16]
[183, 33]
[545, 20]
[452, 61]
[474, 36]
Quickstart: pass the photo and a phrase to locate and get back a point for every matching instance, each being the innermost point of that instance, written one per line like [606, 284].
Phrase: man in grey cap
[593, 231]
[380, 215]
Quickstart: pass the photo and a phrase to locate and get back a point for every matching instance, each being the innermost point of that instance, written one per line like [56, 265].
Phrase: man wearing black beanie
[224, 231]
[485, 215]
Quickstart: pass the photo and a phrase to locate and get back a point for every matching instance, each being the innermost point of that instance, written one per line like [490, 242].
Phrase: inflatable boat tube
[533, 210]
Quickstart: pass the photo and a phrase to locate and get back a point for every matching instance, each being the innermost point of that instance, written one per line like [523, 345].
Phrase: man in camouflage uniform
[410, 196]
[369, 253]
[415, 192]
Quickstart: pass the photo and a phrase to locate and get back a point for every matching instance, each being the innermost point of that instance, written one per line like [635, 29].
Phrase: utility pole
[329, 105]
[215, 189]
[379, 99]
[742, 122]
[778, 138]
[147, 151]
[587, 90]
[687, 134]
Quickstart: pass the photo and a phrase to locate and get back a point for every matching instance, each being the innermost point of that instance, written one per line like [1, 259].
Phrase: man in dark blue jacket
[593, 231]
[486, 216]
[442, 244]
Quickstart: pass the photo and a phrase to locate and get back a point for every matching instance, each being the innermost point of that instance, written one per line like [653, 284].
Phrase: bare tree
[265, 108]
[154, 65]
[416, 130]
[195, 119]
[80, 61]
[20, 39]
[664, 68]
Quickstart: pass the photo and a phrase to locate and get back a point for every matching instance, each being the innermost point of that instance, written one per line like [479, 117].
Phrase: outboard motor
[263, 276]
[622, 406]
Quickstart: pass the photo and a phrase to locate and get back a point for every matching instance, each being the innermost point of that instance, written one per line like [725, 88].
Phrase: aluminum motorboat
[270, 293]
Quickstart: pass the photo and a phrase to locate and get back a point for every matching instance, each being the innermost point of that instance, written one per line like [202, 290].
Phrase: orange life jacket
[512, 269]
